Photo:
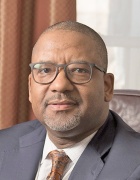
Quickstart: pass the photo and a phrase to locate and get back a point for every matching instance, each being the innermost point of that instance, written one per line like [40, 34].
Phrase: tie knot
[59, 162]
[58, 156]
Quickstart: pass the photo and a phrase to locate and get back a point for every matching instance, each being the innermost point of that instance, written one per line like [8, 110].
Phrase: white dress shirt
[74, 152]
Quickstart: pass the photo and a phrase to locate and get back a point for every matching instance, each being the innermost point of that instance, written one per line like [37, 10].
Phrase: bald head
[79, 27]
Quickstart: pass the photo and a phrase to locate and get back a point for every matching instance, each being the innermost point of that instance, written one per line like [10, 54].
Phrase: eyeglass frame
[91, 65]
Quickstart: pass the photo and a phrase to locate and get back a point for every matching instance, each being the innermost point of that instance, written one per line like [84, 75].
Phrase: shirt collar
[74, 152]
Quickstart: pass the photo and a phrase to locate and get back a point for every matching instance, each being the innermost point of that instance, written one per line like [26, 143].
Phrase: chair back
[126, 103]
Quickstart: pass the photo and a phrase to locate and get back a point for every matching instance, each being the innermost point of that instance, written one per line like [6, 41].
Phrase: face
[63, 106]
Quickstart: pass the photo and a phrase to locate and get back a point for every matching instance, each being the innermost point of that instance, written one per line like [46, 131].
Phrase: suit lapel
[119, 153]
[89, 165]
[91, 162]
[31, 148]
[24, 158]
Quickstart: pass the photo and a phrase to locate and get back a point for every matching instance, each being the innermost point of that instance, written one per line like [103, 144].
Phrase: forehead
[65, 37]
[61, 43]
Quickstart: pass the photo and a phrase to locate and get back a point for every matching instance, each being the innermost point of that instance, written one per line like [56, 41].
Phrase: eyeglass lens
[75, 72]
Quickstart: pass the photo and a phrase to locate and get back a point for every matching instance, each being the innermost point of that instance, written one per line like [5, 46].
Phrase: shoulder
[21, 129]
[10, 137]
[124, 132]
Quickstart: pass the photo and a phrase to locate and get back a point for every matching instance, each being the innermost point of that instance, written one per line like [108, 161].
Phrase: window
[117, 21]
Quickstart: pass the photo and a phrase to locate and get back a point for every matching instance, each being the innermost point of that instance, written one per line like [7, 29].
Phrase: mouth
[61, 105]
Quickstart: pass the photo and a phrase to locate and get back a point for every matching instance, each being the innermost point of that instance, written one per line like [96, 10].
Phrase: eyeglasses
[76, 72]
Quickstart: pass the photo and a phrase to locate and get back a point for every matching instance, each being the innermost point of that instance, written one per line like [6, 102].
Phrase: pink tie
[59, 162]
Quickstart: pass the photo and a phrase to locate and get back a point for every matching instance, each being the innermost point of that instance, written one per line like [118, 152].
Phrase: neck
[62, 140]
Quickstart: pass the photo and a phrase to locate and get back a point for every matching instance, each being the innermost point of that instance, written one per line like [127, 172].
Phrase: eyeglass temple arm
[99, 68]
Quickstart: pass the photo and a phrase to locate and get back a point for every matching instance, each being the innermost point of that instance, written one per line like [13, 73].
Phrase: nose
[61, 83]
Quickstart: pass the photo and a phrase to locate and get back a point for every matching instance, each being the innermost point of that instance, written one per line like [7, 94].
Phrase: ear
[108, 86]
[29, 87]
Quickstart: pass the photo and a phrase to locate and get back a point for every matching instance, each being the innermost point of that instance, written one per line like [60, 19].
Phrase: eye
[44, 70]
[79, 70]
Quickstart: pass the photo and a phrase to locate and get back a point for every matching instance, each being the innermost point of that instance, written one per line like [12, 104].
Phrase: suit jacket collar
[31, 149]
[31, 145]
[34, 137]
[95, 153]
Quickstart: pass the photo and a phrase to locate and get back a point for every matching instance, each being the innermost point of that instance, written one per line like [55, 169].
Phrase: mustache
[62, 97]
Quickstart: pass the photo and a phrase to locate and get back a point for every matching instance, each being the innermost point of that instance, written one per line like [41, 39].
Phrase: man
[70, 90]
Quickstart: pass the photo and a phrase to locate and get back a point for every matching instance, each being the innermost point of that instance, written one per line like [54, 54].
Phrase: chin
[62, 122]
[62, 128]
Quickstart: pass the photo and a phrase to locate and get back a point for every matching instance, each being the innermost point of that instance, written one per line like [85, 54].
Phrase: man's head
[61, 101]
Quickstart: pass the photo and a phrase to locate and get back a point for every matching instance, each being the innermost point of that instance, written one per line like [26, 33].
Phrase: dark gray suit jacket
[113, 153]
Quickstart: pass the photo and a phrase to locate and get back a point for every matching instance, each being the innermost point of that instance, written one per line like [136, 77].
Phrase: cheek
[87, 97]
[37, 94]
[92, 97]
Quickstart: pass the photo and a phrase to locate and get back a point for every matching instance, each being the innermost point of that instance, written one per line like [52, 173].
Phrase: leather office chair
[127, 104]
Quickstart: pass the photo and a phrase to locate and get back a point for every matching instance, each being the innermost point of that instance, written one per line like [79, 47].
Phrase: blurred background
[21, 23]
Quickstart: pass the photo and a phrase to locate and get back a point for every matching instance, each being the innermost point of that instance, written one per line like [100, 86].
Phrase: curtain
[21, 23]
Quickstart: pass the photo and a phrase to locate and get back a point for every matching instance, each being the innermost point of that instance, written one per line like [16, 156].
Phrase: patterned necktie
[59, 162]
